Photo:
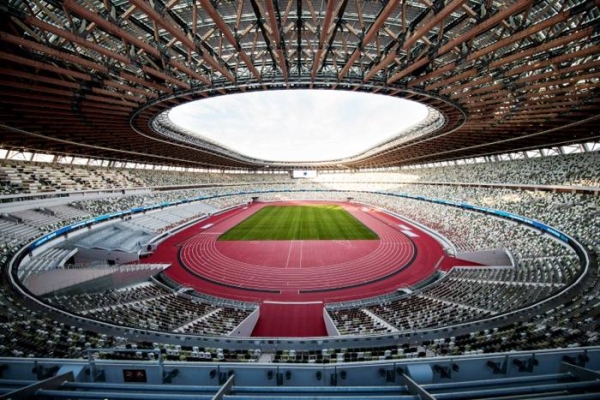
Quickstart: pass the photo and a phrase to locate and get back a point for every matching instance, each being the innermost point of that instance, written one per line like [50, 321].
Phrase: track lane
[202, 256]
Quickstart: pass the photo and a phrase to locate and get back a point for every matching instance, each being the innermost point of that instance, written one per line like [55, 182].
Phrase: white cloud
[299, 125]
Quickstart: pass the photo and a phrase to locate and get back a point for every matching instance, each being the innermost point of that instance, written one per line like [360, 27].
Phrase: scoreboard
[302, 173]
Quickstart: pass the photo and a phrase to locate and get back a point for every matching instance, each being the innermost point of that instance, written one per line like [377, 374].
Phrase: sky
[298, 125]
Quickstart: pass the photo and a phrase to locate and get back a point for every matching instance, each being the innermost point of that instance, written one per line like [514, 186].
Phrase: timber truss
[93, 77]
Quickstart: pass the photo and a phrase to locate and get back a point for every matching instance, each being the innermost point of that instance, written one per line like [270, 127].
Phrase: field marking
[291, 302]
[301, 246]
[345, 243]
[206, 226]
[287, 262]
[407, 228]
[409, 233]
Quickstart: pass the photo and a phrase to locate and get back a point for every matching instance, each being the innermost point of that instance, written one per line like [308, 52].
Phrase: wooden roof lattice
[92, 78]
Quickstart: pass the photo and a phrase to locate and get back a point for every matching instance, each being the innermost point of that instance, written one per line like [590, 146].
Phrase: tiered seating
[357, 322]
[25, 177]
[573, 213]
[29, 178]
[10, 181]
[86, 178]
[575, 169]
[221, 321]
[345, 355]
[67, 213]
[170, 218]
[112, 204]
[465, 294]
[170, 178]
[165, 313]
[571, 170]
[49, 259]
[552, 271]
[419, 312]
[512, 337]
[12, 233]
[36, 218]
[542, 265]
[43, 337]
[109, 298]
[115, 237]
[188, 353]
[488, 295]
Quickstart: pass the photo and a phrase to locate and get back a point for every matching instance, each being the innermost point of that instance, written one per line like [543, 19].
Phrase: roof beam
[279, 42]
[43, 66]
[182, 37]
[71, 37]
[61, 55]
[438, 18]
[299, 27]
[478, 29]
[369, 35]
[323, 37]
[340, 13]
[543, 47]
[563, 16]
[216, 17]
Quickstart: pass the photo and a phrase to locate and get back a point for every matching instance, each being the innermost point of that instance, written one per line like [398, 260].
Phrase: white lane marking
[289, 254]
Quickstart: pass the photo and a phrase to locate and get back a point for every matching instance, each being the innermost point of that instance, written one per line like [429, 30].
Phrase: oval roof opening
[299, 125]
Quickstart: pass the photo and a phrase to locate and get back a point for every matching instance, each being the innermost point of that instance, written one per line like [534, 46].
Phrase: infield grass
[308, 222]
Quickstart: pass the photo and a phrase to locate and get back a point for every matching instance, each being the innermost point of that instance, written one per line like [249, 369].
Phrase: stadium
[454, 256]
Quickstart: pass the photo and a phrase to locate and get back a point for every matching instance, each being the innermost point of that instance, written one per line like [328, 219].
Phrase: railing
[156, 369]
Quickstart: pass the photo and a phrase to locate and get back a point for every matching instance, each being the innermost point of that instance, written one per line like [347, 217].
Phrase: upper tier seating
[570, 170]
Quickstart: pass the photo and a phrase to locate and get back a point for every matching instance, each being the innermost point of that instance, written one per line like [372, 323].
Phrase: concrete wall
[491, 257]
[245, 328]
[329, 324]
[94, 255]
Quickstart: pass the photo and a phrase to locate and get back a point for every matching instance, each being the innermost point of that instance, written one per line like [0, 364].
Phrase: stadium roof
[96, 78]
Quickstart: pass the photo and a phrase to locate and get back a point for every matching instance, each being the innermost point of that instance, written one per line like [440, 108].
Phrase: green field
[311, 222]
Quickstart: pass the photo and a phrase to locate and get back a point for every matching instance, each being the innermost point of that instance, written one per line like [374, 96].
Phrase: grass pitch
[310, 222]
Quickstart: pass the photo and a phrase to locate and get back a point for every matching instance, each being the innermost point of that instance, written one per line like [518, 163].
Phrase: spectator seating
[151, 306]
[47, 260]
[569, 170]
[542, 267]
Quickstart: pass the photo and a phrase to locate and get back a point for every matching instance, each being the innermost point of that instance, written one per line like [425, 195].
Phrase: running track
[297, 266]
[301, 270]
[293, 279]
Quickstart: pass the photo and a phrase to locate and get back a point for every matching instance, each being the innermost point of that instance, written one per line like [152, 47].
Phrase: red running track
[300, 271]
[297, 266]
